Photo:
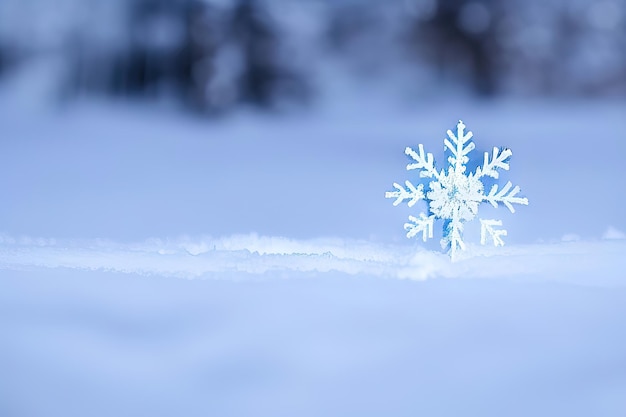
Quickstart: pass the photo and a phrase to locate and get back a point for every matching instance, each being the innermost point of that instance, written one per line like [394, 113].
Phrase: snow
[152, 263]
[598, 263]
[101, 344]
[613, 233]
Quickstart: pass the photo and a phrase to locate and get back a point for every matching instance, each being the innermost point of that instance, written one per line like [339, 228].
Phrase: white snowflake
[455, 196]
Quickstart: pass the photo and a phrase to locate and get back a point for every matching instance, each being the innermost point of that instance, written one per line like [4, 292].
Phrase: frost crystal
[455, 196]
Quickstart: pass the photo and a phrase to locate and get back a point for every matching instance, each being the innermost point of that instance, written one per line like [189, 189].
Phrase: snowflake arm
[453, 237]
[500, 159]
[423, 161]
[487, 228]
[411, 193]
[457, 145]
[423, 224]
[504, 196]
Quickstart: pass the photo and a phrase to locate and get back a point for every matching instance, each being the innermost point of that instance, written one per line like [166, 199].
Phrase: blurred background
[212, 56]
[130, 119]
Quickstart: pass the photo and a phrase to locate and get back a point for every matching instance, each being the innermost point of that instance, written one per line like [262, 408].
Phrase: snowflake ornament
[455, 195]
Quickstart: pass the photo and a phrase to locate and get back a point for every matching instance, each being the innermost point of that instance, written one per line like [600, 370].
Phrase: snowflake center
[462, 189]
[453, 193]
[456, 193]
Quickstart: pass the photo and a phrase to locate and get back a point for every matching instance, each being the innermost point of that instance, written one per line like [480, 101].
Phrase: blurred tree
[163, 42]
[196, 58]
[4, 58]
[212, 58]
[565, 48]
[265, 73]
[458, 37]
[362, 36]
[168, 39]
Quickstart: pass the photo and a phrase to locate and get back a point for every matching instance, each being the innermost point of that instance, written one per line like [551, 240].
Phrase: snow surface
[102, 344]
[300, 295]
[599, 263]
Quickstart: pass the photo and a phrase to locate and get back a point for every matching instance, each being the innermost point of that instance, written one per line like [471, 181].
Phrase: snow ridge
[248, 256]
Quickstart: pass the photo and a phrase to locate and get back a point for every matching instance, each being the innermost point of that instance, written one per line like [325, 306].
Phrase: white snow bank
[613, 234]
[580, 262]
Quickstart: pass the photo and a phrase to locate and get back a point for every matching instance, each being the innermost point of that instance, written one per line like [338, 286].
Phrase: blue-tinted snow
[77, 343]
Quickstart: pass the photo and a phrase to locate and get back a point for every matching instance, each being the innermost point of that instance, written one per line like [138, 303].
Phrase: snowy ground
[300, 295]
[104, 344]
